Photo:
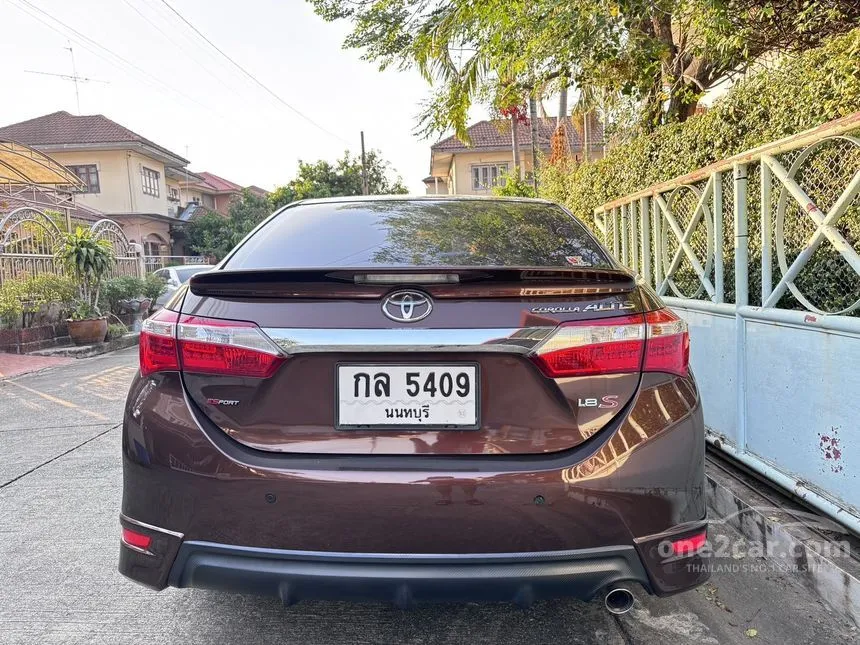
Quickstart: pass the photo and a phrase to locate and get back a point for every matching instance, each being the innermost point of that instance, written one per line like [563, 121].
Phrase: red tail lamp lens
[158, 349]
[655, 342]
[227, 347]
[135, 539]
[609, 346]
[170, 342]
[668, 345]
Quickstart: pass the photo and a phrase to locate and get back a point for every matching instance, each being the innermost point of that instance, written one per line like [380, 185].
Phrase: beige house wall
[460, 175]
[114, 195]
[140, 230]
[120, 182]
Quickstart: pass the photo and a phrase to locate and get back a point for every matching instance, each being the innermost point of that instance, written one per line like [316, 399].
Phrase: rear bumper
[404, 579]
[635, 484]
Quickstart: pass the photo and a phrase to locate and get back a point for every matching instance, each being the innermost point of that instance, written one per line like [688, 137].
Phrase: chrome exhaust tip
[619, 600]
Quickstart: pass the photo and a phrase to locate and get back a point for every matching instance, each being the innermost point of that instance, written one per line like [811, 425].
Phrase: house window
[486, 176]
[149, 181]
[173, 193]
[89, 174]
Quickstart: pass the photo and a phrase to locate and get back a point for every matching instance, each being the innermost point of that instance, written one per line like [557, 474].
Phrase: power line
[251, 76]
[174, 42]
[83, 40]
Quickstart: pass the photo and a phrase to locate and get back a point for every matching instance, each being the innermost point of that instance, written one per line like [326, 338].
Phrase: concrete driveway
[60, 490]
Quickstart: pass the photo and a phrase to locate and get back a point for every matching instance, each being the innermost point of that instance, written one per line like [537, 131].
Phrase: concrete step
[821, 553]
[85, 351]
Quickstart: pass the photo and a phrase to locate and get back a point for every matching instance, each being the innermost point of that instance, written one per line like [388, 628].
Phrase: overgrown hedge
[802, 92]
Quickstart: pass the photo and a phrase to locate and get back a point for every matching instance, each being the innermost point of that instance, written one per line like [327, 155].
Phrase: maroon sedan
[416, 399]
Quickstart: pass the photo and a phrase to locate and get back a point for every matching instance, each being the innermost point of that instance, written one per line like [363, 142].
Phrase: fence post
[141, 262]
[625, 238]
[657, 231]
[615, 247]
[741, 297]
[634, 241]
[719, 272]
[645, 237]
[766, 236]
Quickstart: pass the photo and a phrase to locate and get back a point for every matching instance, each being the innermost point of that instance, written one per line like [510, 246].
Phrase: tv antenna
[73, 77]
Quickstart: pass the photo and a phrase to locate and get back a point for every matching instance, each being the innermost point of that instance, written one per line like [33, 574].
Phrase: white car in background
[175, 277]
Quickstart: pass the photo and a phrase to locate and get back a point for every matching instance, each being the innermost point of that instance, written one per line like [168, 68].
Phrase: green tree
[214, 235]
[662, 53]
[342, 178]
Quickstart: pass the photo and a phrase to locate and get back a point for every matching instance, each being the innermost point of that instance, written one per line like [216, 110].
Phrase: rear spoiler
[464, 282]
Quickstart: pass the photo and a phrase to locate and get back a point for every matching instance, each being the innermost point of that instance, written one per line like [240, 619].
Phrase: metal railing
[155, 262]
[759, 253]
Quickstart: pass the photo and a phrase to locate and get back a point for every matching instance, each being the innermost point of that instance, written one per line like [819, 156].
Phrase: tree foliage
[661, 53]
[339, 179]
[214, 235]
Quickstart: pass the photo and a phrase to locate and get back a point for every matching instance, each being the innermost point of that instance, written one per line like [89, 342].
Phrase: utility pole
[74, 77]
[364, 186]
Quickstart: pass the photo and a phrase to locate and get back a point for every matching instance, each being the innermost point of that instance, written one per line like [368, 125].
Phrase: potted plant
[88, 260]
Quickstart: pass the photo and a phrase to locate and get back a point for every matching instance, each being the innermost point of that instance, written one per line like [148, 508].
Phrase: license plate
[429, 396]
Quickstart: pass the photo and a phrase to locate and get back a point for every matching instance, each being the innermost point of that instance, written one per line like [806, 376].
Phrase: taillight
[169, 342]
[668, 343]
[158, 343]
[606, 346]
[655, 342]
[230, 347]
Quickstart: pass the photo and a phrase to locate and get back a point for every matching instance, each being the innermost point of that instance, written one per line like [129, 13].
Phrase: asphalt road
[60, 489]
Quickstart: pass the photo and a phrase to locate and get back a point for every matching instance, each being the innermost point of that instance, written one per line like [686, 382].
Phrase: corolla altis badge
[575, 309]
[407, 306]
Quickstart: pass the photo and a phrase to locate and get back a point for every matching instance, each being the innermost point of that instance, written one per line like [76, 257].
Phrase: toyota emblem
[407, 306]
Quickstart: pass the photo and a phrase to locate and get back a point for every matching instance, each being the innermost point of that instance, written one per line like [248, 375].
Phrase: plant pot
[87, 332]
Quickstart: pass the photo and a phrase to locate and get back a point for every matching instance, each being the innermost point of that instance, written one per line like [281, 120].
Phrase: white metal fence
[29, 239]
[759, 253]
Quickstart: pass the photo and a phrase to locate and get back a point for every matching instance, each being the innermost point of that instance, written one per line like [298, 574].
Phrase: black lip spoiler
[309, 282]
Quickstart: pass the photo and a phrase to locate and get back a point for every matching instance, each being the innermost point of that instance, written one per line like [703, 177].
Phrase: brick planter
[22, 341]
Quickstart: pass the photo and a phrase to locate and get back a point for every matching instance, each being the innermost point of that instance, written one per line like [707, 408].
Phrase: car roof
[417, 198]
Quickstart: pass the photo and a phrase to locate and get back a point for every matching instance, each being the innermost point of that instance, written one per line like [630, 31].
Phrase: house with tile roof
[474, 168]
[143, 186]
[124, 172]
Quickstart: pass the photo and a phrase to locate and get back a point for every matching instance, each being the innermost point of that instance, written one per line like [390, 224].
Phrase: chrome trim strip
[509, 340]
[150, 527]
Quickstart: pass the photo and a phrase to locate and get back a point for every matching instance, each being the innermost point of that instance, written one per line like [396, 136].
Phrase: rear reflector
[169, 342]
[655, 342]
[135, 539]
[689, 545]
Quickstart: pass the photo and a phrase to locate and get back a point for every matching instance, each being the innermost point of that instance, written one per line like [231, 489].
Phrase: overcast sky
[188, 95]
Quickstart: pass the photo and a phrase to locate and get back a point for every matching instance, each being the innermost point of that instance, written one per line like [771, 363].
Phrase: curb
[86, 351]
[766, 518]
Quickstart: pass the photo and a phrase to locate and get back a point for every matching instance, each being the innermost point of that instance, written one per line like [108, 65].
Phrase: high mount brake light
[170, 342]
[655, 342]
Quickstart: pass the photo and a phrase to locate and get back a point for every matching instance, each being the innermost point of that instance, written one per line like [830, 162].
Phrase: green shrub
[116, 330]
[514, 186]
[153, 286]
[31, 295]
[121, 288]
[804, 91]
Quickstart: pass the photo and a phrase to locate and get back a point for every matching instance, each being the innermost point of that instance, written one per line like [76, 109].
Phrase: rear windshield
[420, 233]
